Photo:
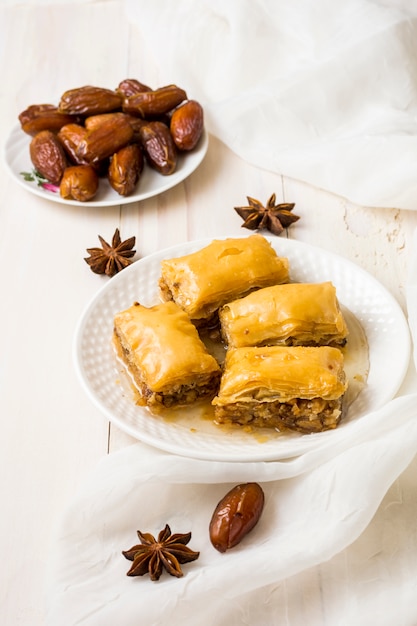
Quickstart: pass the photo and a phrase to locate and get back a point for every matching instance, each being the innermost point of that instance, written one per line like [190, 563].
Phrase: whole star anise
[272, 217]
[110, 259]
[167, 552]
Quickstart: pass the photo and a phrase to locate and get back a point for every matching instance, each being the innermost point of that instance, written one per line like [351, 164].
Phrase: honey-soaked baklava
[303, 314]
[201, 282]
[164, 355]
[297, 388]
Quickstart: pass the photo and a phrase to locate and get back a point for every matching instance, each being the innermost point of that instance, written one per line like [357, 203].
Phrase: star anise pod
[167, 552]
[273, 217]
[110, 259]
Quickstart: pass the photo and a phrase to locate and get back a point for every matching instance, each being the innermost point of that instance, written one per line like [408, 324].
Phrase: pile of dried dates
[96, 132]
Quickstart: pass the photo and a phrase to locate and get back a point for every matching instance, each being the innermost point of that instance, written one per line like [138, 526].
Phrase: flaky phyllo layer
[289, 314]
[164, 354]
[226, 269]
[298, 388]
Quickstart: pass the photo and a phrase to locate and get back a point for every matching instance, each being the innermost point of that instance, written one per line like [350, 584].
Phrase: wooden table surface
[51, 434]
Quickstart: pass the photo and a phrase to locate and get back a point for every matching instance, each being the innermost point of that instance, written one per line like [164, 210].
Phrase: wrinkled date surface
[39, 117]
[71, 135]
[156, 102]
[90, 101]
[130, 86]
[235, 515]
[159, 147]
[105, 139]
[125, 168]
[48, 156]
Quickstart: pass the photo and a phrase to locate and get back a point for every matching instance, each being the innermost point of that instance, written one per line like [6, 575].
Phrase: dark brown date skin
[71, 136]
[89, 100]
[235, 515]
[48, 156]
[159, 147]
[186, 125]
[95, 121]
[130, 86]
[150, 103]
[39, 117]
[125, 168]
[79, 182]
[105, 139]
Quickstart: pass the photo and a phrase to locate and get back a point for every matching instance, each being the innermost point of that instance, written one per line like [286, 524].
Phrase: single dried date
[156, 102]
[186, 125]
[90, 100]
[39, 117]
[79, 182]
[93, 122]
[130, 86]
[71, 135]
[235, 515]
[125, 168]
[159, 147]
[105, 139]
[48, 156]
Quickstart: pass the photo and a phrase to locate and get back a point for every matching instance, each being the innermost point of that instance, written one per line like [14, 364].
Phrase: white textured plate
[370, 303]
[151, 183]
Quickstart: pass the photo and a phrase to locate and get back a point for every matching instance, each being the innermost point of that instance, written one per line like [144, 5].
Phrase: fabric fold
[309, 517]
[313, 91]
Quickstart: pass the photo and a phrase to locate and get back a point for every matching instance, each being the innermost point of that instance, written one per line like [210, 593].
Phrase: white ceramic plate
[17, 160]
[378, 313]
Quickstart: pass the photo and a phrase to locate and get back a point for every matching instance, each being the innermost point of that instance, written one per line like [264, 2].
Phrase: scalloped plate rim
[399, 350]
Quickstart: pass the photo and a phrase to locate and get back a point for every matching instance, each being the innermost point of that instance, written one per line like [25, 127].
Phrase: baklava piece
[296, 388]
[295, 314]
[201, 282]
[165, 356]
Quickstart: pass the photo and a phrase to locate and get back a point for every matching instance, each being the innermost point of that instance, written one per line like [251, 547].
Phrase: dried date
[125, 168]
[79, 182]
[48, 156]
[93, 122]
[71, 136]
[187, 122]
[105, 139]
[39, 117]
[236, 515]
[151, 103]
[130, 86]
[90, 100]
[159, 147]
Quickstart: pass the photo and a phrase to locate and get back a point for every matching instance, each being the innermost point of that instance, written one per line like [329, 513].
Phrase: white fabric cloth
[317, 505]
[324, 92]
[308, 518]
